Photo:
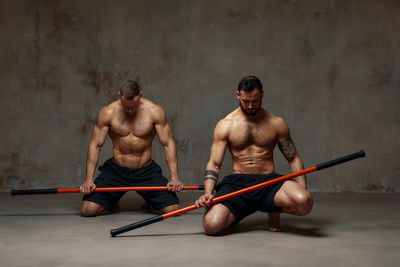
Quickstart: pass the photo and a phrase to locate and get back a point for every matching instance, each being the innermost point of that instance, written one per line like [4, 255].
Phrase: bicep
[285, 142]
[164, 132]
[288, 149]
[162, 127]
[219, 145]
[100, 131]
[217, 152]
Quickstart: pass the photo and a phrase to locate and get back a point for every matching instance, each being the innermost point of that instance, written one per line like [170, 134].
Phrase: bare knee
[303, 203]
[217, 218]
[212, 225]
[90, 209]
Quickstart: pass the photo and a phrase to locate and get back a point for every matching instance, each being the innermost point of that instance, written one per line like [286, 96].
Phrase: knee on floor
[212, 226]
[90, 211]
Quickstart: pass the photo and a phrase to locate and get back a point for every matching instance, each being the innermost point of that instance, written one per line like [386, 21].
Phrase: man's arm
[289, 151]
[99, 136]
[218, 148]
[164, 134]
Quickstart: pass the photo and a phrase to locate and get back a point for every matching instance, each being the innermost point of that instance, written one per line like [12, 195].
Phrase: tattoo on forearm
[288, 149]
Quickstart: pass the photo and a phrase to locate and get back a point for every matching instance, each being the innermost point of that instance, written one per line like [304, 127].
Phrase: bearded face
[250, 102]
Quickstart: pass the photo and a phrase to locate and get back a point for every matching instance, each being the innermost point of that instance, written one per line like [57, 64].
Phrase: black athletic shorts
[246, 204]
[114, 175]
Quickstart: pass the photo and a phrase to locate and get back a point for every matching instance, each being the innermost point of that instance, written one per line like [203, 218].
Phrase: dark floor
[344, 229]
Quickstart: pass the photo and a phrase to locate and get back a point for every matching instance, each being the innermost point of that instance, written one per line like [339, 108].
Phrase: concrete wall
[329, 68]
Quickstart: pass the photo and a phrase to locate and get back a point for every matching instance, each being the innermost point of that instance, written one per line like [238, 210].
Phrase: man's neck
[260, 115]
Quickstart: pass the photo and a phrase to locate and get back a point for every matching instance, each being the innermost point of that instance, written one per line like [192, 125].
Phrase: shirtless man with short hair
[250, 133]
[131, 122]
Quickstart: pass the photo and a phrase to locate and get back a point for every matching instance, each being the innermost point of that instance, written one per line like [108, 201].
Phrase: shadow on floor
[309, 227]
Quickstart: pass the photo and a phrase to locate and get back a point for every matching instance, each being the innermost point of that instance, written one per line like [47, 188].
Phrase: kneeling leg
[218, 217]
[90, 209]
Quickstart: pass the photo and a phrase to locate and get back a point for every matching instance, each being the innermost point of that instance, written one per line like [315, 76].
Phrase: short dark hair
[249, 83]
[129, 89]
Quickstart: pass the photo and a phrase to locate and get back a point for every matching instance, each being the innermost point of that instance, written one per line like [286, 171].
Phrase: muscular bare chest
[247, 134]
[140, 126]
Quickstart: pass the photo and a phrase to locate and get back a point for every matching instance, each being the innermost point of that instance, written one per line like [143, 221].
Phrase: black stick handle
[337, 161]
[132, 226]
[34, 191]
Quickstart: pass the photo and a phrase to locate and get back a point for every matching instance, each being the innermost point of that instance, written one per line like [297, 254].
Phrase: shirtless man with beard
[250, 133]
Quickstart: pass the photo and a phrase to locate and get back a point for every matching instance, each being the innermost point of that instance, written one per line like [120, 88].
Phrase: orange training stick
[158, 218]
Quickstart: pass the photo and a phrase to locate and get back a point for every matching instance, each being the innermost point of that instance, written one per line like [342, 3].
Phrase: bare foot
[273, 222]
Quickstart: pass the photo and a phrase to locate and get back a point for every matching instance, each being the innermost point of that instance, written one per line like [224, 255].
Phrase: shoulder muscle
[222, 129]
[282, 129]
[157, 113]
[105, 115]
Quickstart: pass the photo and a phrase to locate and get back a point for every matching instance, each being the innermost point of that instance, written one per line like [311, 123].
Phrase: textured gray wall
[330, 68]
